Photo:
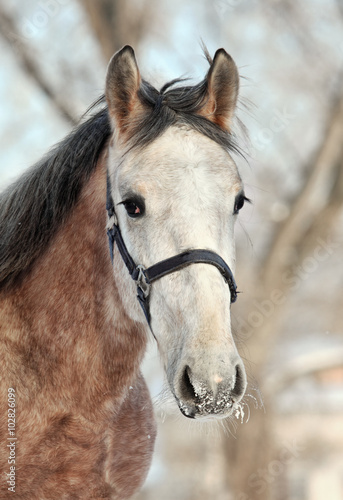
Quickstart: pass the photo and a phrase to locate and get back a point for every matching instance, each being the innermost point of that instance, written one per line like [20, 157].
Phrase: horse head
[176, 189]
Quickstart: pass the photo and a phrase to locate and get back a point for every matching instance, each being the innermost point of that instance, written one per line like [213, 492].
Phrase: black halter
[145, 277]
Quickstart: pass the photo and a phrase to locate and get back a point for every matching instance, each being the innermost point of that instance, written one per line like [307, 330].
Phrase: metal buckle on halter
[142, 282]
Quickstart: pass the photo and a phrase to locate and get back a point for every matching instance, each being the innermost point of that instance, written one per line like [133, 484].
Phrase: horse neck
[68, 314]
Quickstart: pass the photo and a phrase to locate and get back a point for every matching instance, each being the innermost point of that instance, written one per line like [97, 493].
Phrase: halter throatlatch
[145, 277]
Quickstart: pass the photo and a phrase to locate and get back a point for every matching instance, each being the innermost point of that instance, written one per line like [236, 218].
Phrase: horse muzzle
[215, 395]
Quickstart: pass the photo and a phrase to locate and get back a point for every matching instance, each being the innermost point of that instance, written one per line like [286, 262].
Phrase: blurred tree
[313, 216]
[26, 58]
[316, 208]
[119, 22]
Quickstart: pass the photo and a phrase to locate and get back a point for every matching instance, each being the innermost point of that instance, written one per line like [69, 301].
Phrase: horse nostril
[215, 395]
[186, 386]
[239, 386]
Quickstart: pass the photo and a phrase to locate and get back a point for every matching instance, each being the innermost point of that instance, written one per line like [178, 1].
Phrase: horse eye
[133, 208]
[239, 202]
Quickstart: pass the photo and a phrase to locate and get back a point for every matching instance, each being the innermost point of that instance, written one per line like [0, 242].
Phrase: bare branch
[308, 208]
[8, 31]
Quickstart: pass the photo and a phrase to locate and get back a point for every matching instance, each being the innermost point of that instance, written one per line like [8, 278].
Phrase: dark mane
[176, 104]
[34, 207]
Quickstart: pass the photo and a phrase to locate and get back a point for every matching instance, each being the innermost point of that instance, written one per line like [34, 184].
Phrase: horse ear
[222, 90]
[123, 81]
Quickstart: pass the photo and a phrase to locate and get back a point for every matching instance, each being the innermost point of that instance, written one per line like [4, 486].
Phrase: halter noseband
[145, 277]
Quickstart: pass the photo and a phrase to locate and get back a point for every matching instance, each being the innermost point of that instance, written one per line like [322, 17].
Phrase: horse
[76, 416]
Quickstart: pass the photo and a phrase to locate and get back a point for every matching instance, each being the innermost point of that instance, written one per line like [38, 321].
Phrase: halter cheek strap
[145, 277]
